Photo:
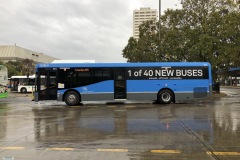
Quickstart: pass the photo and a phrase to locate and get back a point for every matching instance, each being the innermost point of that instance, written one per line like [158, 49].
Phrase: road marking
[130, 106]
[112, 150]
[8, 158]
[12, 148]
[166, 151]
[61, 149]
[126, 150]
[225, 153]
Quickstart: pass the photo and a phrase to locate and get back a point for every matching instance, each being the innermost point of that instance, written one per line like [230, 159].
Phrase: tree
[27, 67]
[215, 27]
[20, 67]
[145, 48]
[147, 43]
[130, 51]
[203, 30]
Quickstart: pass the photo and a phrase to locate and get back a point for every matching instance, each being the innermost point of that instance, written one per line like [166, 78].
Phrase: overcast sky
[73, 29]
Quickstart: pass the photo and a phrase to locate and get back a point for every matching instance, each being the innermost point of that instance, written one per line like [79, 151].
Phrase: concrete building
[13, 53]
[140, 16]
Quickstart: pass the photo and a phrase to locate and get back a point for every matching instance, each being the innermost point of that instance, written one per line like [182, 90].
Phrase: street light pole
[159, 34]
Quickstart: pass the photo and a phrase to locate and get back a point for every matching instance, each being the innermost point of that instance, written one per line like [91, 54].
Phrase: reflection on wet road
[49, 130]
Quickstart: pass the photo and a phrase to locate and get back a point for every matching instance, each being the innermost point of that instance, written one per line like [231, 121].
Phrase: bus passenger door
[120, 84]
[47, 85]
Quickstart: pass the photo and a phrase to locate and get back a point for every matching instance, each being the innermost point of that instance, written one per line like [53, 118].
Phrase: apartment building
[140, 16]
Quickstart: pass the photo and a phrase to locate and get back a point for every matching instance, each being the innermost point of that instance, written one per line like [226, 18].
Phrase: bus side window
[102, 75]
[82, 79]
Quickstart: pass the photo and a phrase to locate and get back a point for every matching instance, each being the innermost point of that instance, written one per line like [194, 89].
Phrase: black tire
[165, 96]
[72, 98]
[23, 90]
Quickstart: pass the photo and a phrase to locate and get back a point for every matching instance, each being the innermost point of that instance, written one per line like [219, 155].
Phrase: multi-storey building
[140, 16]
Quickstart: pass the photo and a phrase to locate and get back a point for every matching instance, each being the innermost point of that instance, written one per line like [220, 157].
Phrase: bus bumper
[59, 97]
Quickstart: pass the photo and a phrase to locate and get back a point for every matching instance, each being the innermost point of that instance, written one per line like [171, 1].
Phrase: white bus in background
[23, 84]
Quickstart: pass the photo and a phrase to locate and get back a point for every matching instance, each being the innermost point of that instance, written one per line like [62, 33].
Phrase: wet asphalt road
[133, 131]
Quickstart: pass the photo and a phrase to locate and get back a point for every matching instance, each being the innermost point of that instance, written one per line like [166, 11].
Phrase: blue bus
[164, 82]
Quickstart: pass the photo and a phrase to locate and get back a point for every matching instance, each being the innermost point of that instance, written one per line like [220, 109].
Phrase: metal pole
[159, 34]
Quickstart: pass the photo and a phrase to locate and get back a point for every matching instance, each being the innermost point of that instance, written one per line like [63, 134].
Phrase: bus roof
[73, 61]
[119, 65]
[32, 76]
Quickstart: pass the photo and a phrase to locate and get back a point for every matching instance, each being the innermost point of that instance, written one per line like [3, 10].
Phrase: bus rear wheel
[23, 90]
[165, 96]
[72, 98]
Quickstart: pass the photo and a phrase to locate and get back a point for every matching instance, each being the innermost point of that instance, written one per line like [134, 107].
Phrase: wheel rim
[166, 97]
[71, 98]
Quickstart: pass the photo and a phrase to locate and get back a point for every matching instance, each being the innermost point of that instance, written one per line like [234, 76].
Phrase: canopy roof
[234, 72]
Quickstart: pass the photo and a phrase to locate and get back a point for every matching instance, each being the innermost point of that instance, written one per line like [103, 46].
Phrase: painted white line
[12, 148]
[112, 150]
[225, 153]
[61, 149]
[166, 151]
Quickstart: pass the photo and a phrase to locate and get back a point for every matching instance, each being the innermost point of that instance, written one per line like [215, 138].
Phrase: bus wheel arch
[165, 96]
[72, 97]
[23, 90]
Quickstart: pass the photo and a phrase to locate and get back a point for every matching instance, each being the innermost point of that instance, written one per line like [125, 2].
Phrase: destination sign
[167, 73]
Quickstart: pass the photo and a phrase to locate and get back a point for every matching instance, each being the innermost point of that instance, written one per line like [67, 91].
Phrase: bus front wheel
[72, 98]
[165, 96]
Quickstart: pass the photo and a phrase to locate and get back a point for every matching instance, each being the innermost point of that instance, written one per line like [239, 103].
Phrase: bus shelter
[234, 74]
